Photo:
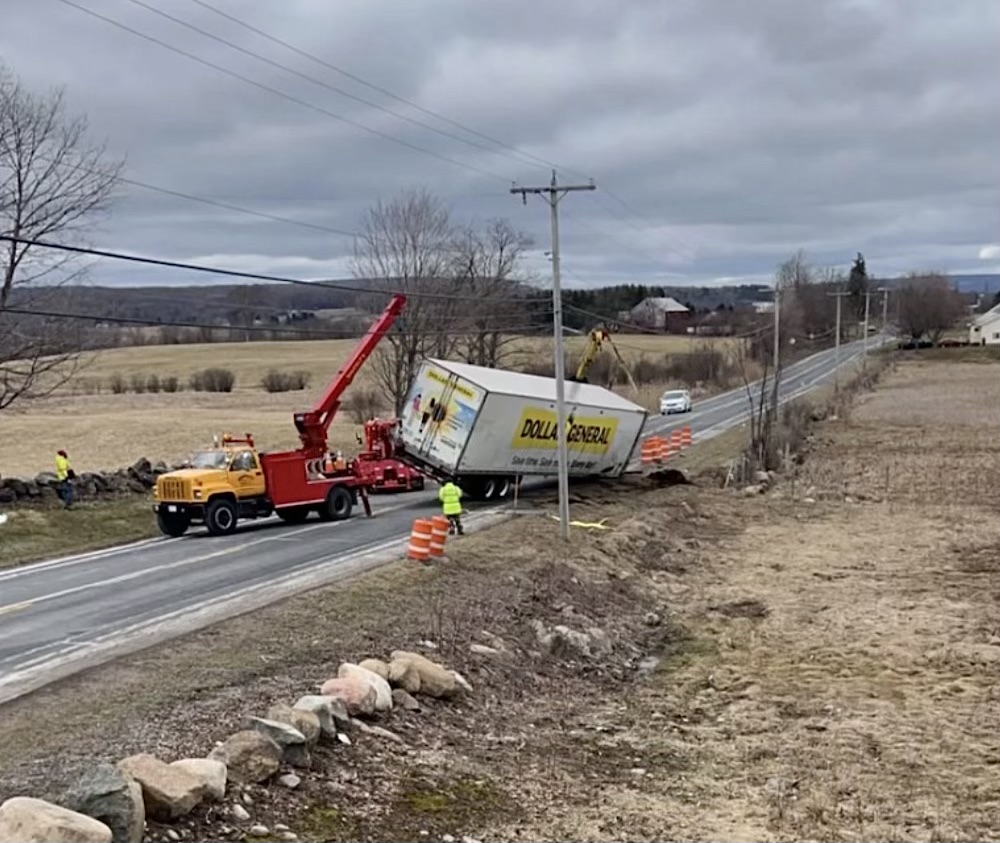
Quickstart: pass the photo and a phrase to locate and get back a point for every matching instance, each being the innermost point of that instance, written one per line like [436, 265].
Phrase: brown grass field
[101, 430]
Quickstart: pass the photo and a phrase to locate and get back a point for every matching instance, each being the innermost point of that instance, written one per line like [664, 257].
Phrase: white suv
[675, 401]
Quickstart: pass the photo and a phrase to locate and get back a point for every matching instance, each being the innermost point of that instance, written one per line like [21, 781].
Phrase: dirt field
[817, 663]
[103, 431]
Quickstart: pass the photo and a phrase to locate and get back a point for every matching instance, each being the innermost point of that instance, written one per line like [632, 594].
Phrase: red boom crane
[313, 425]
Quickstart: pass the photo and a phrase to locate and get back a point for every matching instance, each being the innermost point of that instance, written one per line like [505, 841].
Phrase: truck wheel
[293, 514]
[220, 517]
[337, 506]
[173, 524]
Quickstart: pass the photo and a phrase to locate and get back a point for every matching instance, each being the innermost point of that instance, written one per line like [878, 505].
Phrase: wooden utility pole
[552, 194]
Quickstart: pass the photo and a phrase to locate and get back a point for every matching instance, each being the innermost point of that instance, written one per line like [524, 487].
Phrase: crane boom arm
[597, 337]
[313, 425]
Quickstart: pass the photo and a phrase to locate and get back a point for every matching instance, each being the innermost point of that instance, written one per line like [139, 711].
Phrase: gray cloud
[736, 133]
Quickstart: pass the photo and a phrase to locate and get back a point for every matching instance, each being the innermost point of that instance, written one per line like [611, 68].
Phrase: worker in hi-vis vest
[451, 504]
[65, 475]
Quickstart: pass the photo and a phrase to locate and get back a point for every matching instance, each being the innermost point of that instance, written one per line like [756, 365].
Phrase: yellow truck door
[246, 476]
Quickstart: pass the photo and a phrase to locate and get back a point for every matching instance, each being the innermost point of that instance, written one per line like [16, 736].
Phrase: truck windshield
[210, 459]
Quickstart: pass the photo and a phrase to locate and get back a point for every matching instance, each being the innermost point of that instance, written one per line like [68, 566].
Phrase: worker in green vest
[450, 496]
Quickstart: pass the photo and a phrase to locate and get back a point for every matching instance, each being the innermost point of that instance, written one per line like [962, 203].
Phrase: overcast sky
[729, 133]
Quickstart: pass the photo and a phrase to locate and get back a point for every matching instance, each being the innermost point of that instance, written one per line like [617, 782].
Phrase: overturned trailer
[487, 427]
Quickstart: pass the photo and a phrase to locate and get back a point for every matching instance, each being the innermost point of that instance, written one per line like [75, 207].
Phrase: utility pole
[836, 373]
[777, 349]
[885, 306]
[864, 342]
[552, 194]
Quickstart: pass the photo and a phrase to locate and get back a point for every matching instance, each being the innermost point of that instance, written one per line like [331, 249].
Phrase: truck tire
[173, 524]
[221, 517]
[337, 506]
[293, 514]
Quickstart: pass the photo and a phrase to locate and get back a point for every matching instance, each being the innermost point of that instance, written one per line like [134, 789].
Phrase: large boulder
[210, 772]
[305, 722]
[7, 495]
[330, 712]
[16, 485]
[250, 756]
[114, 798]
[292, 742]
[27, 820]
[357, 694]
[376, 666]
[432, 679]
[383, 693]
[168, 792]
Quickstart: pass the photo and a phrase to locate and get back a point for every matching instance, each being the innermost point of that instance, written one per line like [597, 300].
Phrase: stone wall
[138, 479]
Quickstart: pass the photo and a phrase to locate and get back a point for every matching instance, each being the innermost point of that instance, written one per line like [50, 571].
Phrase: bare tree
[486, 267]
[406, 245]
[54, 184]
[927, 305]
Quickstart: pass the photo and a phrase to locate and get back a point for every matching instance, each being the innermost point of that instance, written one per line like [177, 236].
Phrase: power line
[521, 155]
[510, 151]
[282, 94]
[320, 82]
[305, 333]
[355, 78]
[231, 273]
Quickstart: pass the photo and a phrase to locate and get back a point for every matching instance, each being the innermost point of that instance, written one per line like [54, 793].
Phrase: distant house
[985, 328]
[763, 306]
[661, 313]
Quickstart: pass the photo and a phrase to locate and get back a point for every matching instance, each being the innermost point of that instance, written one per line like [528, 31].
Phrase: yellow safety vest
[62, 467]
[450, 496]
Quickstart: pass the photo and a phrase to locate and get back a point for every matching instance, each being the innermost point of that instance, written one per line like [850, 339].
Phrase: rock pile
[138, 478]
[111, 804]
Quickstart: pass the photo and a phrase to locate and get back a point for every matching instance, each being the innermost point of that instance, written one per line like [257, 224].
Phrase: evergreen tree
[857, 285]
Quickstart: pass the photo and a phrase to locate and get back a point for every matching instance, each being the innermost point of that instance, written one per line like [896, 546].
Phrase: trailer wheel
[496, 488]
[293, 514]
[173, 524]
[220, 516]
[337, 506]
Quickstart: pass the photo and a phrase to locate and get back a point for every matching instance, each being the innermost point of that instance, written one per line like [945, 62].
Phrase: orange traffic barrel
[664, 450]
[685, 436]
[439, 535]
[675, 440]
[650, 449]
[420, 540]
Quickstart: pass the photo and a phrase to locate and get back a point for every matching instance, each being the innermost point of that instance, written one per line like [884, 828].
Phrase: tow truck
[233, 481]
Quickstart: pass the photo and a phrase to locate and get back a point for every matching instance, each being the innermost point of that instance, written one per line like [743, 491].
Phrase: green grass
[35, 533]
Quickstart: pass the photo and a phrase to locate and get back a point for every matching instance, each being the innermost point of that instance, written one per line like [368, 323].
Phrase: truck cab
[217, 487]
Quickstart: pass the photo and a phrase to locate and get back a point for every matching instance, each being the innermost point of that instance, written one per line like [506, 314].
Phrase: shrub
[153, 383]
[213, 380]
[275, 381]
[363, 404]
[171, 384]
[116, 383]
[705, 364]
[138, 384]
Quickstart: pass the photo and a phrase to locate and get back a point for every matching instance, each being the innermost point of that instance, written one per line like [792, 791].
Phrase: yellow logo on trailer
[539, 429]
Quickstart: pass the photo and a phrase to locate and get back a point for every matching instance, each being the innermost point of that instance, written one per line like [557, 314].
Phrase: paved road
[61, 616]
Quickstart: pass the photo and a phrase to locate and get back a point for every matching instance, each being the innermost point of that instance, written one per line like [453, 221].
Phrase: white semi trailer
[488, 427]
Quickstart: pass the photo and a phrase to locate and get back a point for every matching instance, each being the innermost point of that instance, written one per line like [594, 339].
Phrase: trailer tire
[221, 517]
[337, 506]
[293, 514]
[173, 524]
